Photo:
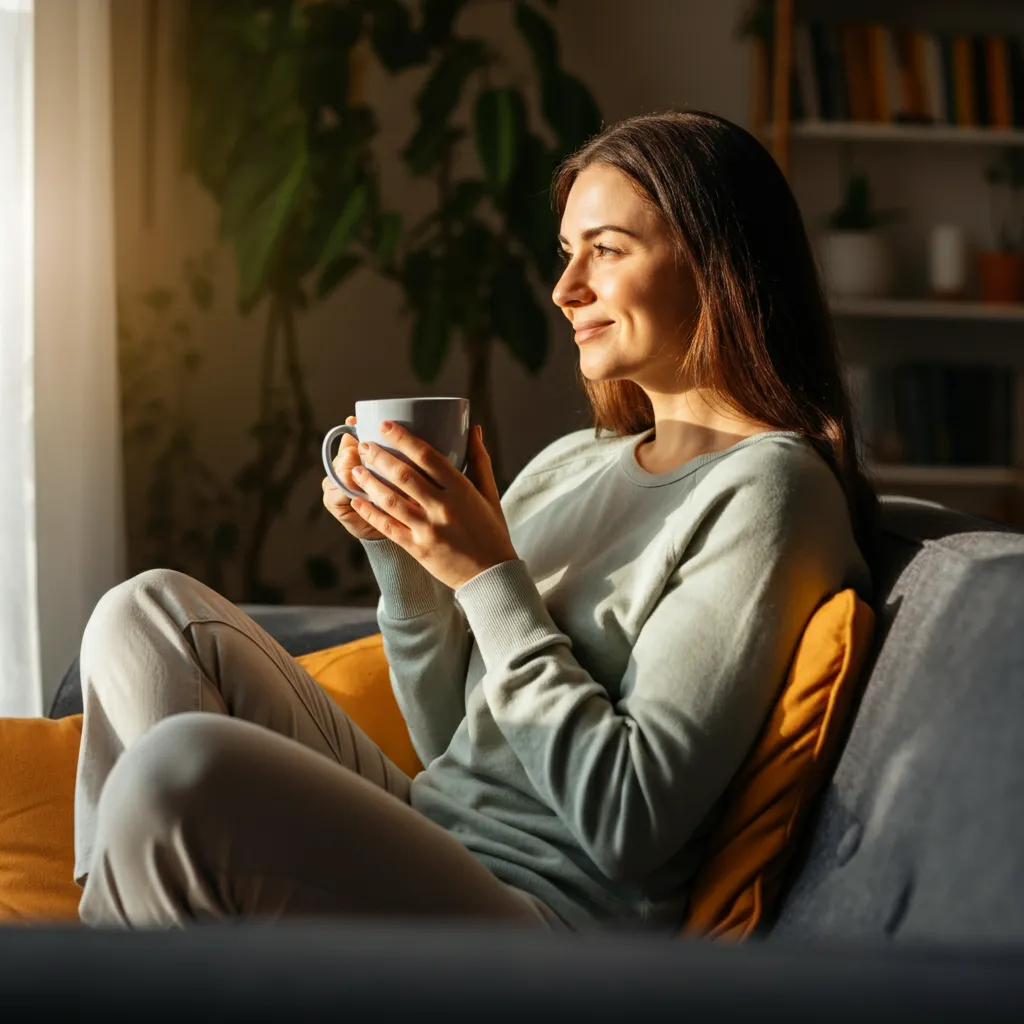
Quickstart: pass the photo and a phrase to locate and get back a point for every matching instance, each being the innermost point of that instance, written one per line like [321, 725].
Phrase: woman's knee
[121, 613]
[175, 774]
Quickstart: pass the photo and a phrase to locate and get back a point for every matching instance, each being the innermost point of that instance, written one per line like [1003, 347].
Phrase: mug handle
[325, 453]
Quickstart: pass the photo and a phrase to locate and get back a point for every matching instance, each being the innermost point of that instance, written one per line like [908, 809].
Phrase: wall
[663, 53]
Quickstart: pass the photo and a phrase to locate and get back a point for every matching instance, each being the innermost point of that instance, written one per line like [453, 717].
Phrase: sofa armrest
[299, 629]
[304, 970]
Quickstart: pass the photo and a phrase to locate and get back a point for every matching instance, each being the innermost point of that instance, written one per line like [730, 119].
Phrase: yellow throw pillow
[767, 801]
[38, 760]
[355, 676]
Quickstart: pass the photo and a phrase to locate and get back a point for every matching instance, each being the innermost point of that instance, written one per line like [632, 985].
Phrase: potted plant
[855, 258]
[1001, 269]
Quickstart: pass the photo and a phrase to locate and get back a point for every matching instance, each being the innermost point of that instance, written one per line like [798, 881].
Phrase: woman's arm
[426, 641]
[633, 779]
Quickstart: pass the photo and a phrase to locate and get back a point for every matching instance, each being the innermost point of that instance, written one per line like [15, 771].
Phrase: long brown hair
[764, 343]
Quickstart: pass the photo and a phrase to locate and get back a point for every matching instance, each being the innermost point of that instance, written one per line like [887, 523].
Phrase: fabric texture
[38, 758]
[355, 676]
[918, 838]
[581, 709]
[768, 801]
[216, 781]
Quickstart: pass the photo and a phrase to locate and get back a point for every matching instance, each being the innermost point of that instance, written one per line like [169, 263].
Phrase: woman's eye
[562, 254]
[605, 250]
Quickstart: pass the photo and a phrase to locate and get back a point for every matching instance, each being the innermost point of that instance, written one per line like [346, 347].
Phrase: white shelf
[868, 131]
[948, 476]
[927, 309]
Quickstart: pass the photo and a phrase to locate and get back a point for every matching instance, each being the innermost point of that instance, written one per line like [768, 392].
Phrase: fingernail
[386, 426]
[358, 471]
[364, 446]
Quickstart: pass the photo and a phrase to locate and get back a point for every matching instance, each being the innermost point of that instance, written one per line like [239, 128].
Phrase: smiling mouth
[586, 333]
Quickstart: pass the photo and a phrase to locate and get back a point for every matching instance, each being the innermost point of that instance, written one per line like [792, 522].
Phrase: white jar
[947, 261]
[856, 265]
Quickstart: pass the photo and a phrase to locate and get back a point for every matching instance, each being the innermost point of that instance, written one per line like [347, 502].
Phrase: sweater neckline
[638, 475]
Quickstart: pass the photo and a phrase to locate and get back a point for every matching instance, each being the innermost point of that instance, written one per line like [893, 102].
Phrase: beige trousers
[275, 804]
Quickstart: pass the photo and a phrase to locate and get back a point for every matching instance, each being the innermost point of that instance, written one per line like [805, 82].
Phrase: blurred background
[229, 220]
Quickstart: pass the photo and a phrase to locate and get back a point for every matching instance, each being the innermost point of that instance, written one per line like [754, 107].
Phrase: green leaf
[570, 110]
[428, 145]
[258, 238]
[440, 93]
[346, 225]
[517, 317]
[334, 273]
[387, 231]
[431, 339]
[541, 38]
[500, 127]
[322, 572]
[225, 538]
[528, 208]
[397, 44]
[438, 18]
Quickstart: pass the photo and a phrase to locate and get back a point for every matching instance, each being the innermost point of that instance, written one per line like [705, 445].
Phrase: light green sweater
[580, 710]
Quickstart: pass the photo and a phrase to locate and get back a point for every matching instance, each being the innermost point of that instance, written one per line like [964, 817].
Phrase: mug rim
[417, 398]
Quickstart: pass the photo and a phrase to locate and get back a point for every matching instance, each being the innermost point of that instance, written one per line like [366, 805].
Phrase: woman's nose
[572, 289]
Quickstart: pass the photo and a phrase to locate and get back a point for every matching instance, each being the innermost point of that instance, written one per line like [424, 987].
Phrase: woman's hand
[336, 501]
[451, 524]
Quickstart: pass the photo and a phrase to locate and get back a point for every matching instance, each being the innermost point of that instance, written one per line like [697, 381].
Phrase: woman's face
[631, 302]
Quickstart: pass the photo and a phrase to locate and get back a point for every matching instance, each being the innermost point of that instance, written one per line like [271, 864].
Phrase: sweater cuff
[407, 588]
[505, 612]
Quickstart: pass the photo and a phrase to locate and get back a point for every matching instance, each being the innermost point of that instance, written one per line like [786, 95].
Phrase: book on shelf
[933, 414]
[873, 72]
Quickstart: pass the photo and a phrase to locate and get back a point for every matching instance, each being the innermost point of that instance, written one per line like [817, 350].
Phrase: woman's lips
[586, 333]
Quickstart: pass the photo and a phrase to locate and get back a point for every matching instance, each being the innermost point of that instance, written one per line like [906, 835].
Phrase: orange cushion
[38, 760]
[355, 676]
[766, 803]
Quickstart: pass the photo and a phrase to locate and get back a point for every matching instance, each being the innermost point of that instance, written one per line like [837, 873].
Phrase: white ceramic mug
[442, 422]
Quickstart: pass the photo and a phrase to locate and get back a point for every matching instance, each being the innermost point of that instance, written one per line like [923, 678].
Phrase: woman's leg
[162, 643]
[208, 818]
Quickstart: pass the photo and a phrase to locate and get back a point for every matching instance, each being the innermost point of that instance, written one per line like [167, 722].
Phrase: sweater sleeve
[632, 779]
[426, 641]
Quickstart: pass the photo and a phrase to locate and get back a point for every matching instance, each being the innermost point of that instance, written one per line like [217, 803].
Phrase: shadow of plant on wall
[195, 520]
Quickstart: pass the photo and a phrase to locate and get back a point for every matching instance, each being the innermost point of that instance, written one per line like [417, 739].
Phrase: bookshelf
[928, 309]
[870, 131]
[928, 160]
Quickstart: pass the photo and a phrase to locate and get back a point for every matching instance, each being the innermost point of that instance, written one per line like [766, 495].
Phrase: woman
[582, 665]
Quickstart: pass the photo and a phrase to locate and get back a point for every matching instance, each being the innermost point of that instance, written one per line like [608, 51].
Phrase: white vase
[856, 265]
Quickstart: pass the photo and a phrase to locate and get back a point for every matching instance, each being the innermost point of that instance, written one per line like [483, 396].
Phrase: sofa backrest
[919, 835]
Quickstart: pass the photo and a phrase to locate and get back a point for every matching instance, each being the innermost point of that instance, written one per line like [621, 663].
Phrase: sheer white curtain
[19, 651]
[61, 449]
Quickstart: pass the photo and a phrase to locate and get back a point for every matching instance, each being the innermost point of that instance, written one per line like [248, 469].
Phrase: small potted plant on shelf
[1001, 270]
[855, 257]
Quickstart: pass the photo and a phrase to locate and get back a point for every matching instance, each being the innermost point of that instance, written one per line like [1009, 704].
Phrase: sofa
[905, 897]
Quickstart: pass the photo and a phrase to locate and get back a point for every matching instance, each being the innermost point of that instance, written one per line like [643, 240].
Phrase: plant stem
[275, 493]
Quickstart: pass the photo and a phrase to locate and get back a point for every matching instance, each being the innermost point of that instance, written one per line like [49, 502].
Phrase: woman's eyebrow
[593, 232]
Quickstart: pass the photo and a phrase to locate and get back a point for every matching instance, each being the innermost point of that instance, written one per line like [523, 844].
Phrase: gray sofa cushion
[919, 834]
[298, 629]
